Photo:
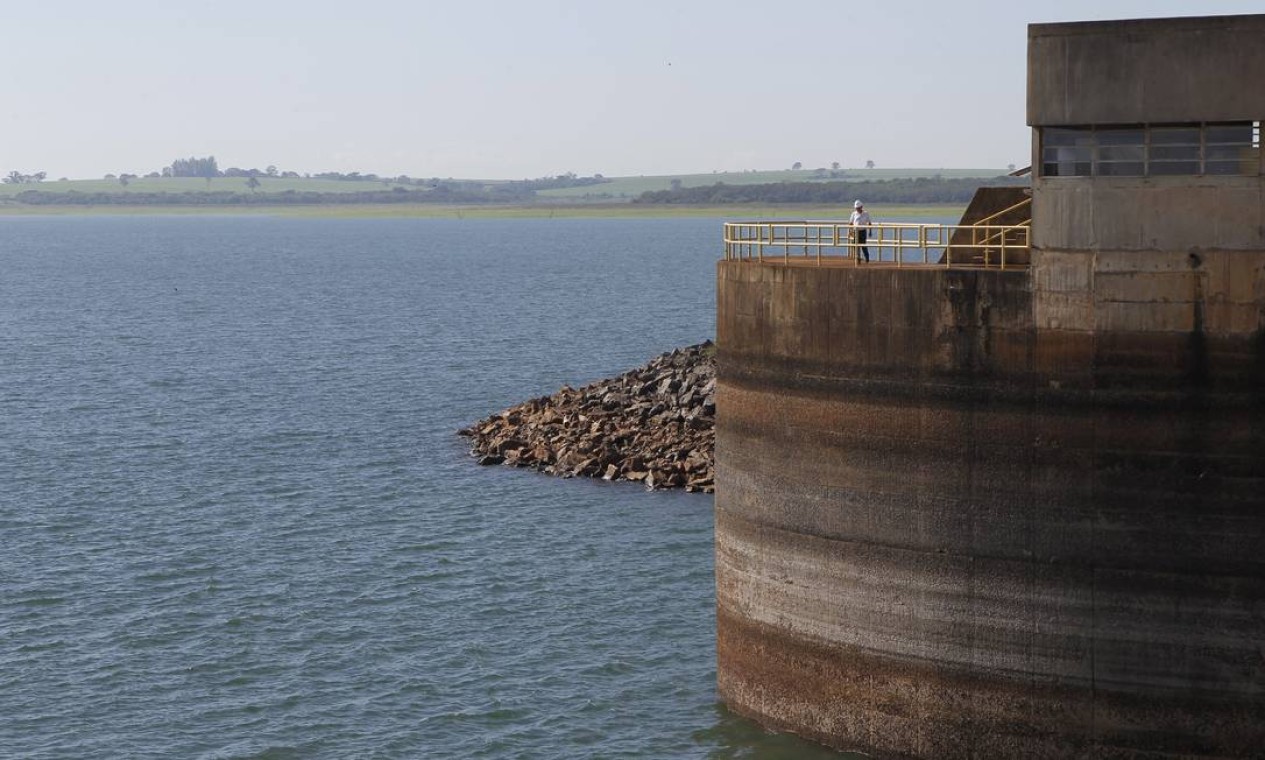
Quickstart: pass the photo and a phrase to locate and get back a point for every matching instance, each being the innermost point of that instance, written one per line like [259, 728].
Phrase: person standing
[860, 221]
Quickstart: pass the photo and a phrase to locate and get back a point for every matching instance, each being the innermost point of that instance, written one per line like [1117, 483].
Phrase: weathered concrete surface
[1149, 213]
[995, 514]
[1146, 71]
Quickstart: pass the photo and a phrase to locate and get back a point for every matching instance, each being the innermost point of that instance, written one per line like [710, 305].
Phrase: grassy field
[881, 213]
[626, 188]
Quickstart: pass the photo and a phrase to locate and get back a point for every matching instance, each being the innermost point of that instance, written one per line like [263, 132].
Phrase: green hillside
[237, 191]
[627, 188]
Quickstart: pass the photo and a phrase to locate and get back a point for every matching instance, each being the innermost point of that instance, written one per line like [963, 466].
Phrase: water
[235, 521]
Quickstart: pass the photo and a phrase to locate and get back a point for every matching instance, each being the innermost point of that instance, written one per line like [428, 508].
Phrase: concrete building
[982, 513]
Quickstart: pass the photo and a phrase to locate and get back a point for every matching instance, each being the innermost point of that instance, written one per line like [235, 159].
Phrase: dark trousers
[861, 236]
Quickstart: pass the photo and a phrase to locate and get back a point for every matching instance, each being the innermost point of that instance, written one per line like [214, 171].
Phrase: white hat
[857, 204]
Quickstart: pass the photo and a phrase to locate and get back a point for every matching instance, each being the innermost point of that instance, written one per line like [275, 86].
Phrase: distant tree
[14, 178]
[796, 166]
[271, 171]
[1010, 167]
[290, 175]
[195, 167]
[252, 182]
[675, 184]
[153, 175]
[39, 176]
[124, 180]
[111, 176]
[834, 165]
[869, 164]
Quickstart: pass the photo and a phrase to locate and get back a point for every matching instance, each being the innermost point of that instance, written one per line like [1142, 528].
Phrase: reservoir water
[235, 521]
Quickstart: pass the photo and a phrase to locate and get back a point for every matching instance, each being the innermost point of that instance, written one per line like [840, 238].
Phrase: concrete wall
[947, 527]
[1146, 71]
[1149, 214]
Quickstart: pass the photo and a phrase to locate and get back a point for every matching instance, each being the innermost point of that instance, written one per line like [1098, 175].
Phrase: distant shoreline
[523, 211]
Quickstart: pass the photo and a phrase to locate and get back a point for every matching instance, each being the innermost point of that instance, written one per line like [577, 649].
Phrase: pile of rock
[654, 425]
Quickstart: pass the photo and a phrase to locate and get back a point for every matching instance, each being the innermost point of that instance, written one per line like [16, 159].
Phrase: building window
[1067, 152]
[1174, 150]
[1120, 152]
[1151, 151]
[1227, 148]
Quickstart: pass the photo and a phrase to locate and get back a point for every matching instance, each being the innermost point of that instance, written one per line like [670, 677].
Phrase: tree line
[399, 189]
[917, 190]
[207, 167]
[466, 193]
[18, 178]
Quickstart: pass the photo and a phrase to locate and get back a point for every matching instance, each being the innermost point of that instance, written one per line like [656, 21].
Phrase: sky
[524, 88]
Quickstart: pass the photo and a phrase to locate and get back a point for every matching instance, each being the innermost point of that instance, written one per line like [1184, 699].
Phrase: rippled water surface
[235, 521]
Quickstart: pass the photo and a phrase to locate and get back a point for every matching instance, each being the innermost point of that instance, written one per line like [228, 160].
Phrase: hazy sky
[475, 88]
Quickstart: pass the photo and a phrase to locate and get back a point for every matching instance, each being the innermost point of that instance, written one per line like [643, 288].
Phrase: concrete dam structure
[966, 511]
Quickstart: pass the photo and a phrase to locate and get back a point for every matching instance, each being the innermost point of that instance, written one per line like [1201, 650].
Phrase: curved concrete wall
[953, 521]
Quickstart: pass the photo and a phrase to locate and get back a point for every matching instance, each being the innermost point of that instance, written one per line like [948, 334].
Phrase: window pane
[1171, 168]
[1175, 152]
[1056, 137]
[1067, 154]
[1230, 133]
[1065, 169]
[1120, 168]
[1175, 136]
[1121, 137]
[1225, 167]
[1070, 161]
[1123, 153]
[1228, 152]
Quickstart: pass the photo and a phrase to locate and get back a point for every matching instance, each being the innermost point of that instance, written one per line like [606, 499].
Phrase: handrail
[1025, 202]
[1003, 246]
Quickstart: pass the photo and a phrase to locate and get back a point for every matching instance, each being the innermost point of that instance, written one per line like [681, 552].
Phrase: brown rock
[652, 424]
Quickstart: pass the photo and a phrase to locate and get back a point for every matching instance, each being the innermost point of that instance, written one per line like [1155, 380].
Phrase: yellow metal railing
[984, 234]
[994, 246]
[999, 214]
